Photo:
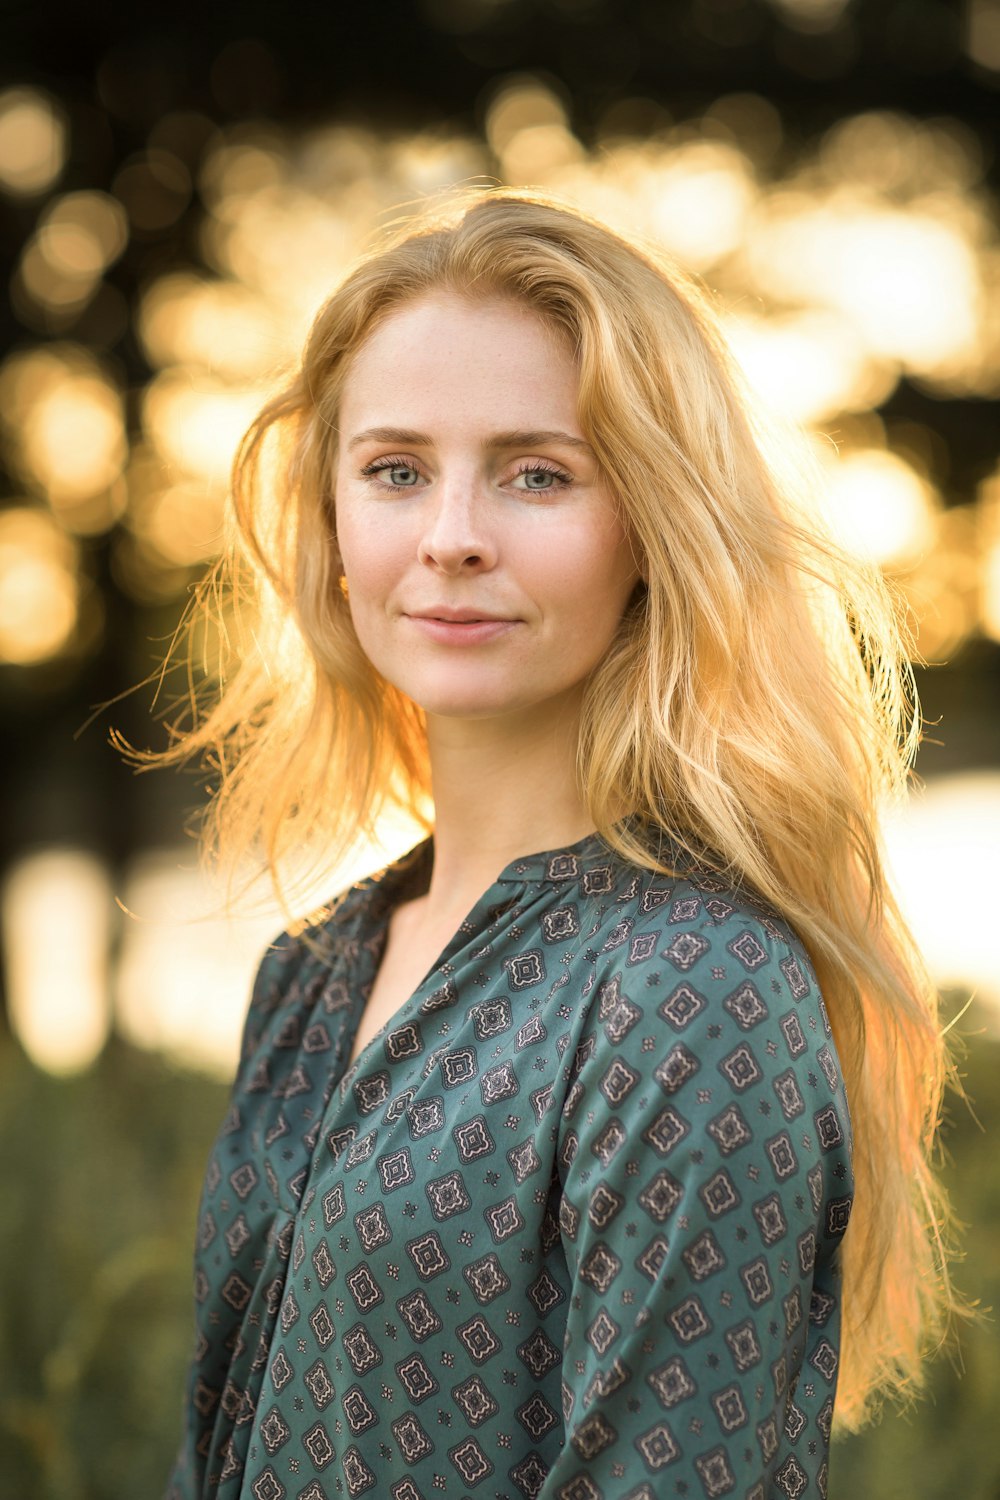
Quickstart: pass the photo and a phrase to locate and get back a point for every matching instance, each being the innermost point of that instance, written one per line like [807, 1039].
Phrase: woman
[537, 1175]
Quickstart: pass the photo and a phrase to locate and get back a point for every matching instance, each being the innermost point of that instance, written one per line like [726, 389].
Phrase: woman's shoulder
[692, 909]
[696, 955]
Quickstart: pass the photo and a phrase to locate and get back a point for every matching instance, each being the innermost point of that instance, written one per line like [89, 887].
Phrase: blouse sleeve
[704, 1155]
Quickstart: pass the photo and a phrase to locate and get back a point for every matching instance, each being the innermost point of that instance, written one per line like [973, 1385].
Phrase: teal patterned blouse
[566, 1230]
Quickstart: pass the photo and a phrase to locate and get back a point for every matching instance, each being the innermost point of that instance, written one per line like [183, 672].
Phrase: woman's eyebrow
[535, 438]
[401, 435]
[527, 438]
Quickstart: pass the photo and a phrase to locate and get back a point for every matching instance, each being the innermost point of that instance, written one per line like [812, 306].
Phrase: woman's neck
[502, 788]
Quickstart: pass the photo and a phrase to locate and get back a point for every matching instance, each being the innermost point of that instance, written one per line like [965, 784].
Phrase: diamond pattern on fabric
[566, 1230]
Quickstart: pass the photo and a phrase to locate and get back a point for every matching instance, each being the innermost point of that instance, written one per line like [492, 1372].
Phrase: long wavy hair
[756, 707]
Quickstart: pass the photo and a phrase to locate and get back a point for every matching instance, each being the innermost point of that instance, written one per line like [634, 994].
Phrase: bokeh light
[952, 824]
[879, 507]
[187, 964]
[907, 279]
[196, 421]
[841, 269]
[988, 547]
[864, 263]
[66, 428]
[56, 910]
[982, 33]
[39, 587]
[186, 319]
[182, 982]
[809, 366]
[32, 141]
[180, 198]
[78, 237]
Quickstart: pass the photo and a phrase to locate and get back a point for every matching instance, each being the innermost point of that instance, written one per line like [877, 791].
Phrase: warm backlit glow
[181, 522]
[38, 587]
[952, 826]
[867, 260]
[32, 141]
[528, 132]
[186, 968]
[988, 544]
[943, 586]
[809, 366]
[699, 201]
[879, 507]
[50, 287]
[840, 268]
[222, 326]
[184, 977]
[196, 422]
[74, 440]
[81, 234]
[522, 102]
[991, 590]
[57, 914]
[906, 278]
[66, 424]
[534, 153]
[239, 168]
[291, 245]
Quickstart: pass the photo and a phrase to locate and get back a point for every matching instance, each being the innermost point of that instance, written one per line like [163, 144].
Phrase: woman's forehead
[449, 353]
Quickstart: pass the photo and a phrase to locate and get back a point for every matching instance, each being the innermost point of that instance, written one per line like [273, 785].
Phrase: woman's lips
[461, 632]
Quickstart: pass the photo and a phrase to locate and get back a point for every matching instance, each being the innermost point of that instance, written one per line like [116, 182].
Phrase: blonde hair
[757, 704]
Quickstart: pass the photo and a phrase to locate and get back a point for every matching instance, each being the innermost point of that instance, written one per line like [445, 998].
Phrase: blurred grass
[96, 1233]
[948, 1444]
[96, 1236]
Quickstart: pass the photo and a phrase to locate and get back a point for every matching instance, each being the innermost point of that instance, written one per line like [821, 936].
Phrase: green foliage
[96, 1237]
[96, 1234]
[946, 1444]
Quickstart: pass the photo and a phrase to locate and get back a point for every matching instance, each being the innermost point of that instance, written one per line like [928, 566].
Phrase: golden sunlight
[81, 234]
[952, 825]
[809, 365]
[196, 420]
[185, 972]
[32, 141]
[38, 587]
[879, 507]
[236, 333]
[907, 278]
[56, 911]
[67, 428]
[187, 967]
[869, 260]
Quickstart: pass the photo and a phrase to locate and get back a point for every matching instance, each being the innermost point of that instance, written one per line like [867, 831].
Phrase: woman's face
[486, 568]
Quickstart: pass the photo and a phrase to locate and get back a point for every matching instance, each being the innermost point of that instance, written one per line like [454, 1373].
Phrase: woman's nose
[459, 534]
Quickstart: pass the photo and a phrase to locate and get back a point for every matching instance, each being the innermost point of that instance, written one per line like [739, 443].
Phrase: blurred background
[179, 189]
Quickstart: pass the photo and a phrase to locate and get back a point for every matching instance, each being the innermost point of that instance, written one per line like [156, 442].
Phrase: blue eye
[401, 475]
[396, 476]
[540, 478]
